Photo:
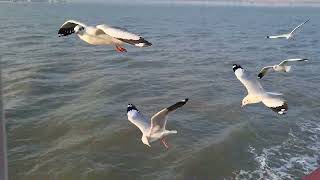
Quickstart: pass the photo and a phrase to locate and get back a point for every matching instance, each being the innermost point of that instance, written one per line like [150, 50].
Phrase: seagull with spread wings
[282, 67]
[156, 129]
[102, 35]
[257, 94]
[288, 35]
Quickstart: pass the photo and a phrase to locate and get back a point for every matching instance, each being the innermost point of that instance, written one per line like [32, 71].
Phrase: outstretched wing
[275, 103]
[264, 71]
[299, 26]
[251, 84]
[159, 120]
[135, 117]
[285, 62]
[125, 36]
[67, 28]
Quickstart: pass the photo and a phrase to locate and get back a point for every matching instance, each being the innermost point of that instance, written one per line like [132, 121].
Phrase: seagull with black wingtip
[257, 94]
[156, 129]
[282, 67]
[102, 35]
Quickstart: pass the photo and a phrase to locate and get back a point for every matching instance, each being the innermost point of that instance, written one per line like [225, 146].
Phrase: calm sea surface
[65, 101]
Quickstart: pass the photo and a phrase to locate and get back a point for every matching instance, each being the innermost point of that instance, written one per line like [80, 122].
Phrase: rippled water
[66, 101]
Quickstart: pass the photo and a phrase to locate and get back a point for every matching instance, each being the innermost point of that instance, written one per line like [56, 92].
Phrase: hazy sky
[272, 2]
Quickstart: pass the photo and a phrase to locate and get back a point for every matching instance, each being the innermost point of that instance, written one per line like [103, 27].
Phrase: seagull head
[78, 29]
[145, 140]
[235, 67]
[246, 100]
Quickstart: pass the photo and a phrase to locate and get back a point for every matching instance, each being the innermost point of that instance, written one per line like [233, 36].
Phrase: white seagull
[257, 94]
[289, 35]
[156, 130]
[282, 67]
[102, 35]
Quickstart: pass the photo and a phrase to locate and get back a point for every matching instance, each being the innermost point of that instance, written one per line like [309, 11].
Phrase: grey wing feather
[264, 71]
[159, 120]
[135, 117]
[251, 84]
[299, 26]
[275, 103]
[285, 62]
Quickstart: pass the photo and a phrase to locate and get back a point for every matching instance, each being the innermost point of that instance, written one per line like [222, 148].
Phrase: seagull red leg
[164, 143]
[117, 49]
[120, 49]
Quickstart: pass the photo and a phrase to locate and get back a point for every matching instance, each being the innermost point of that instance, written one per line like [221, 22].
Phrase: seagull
[282, 67]
[257, 94]
[289, 35]
[102, 35]
[156, 129]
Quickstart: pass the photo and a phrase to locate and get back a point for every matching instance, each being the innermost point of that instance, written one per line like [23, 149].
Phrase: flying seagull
[257, 94]
[156, 129]
[102, 35]
[282, 67]
[289, 35]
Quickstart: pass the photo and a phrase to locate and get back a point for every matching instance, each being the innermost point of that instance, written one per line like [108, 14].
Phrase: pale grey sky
[274, 2]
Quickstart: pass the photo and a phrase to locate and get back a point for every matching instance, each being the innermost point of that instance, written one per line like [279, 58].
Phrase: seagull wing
[251, 84]
[285, 62]
[264, 71]
[137, 118]
[67, 28]
[159, 120]
[275, 103]
[299, 26]
[124, 36]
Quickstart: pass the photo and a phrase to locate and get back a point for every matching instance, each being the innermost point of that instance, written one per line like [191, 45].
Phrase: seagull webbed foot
[120, 49]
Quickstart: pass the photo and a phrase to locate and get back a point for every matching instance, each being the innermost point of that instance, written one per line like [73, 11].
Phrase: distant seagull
[102, 35]
[257, 94]
[156, 130]
[289, 35]
[282, 67]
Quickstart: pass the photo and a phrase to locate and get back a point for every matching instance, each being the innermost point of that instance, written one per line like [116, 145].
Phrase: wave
[292, 159]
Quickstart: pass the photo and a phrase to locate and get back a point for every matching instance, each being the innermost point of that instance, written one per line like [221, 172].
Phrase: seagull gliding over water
[257, 94]
[103, 35]
[289, 35]
[156, 129]
[282, 67]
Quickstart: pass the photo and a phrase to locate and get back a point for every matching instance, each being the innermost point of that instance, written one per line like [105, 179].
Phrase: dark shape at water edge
[315, 175]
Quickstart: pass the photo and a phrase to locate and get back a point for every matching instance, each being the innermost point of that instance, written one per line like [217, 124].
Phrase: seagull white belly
[280, 68]
[99, 40]
[155, 137]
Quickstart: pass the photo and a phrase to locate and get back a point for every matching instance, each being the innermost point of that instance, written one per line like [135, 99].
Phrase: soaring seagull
[156, 130]
[289, 35]
[282, 67]
[102, 35]
[257, 94]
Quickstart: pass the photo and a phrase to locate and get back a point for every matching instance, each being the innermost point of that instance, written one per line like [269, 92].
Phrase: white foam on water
[292, 159]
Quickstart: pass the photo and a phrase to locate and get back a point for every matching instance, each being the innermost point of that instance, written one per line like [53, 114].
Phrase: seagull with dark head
[257, 94]
[102, 35]
[156, 128]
